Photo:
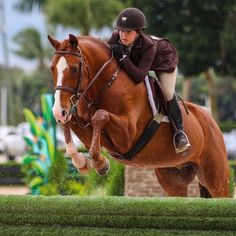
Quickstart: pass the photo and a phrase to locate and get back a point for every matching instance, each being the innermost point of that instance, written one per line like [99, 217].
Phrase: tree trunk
[187, 83]
[210, 78]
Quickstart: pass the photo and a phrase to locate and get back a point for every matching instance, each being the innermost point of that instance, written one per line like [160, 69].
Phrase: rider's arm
[138, 73]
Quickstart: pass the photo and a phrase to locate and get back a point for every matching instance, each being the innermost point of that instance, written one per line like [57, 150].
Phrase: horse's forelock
[65, 45]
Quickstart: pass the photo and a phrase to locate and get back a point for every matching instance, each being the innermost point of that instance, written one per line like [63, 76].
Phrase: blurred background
[203, 32]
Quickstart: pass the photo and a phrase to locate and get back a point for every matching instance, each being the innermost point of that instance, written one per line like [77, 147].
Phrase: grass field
[70, 215]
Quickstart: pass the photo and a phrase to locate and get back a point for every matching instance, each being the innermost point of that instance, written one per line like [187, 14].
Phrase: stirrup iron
[183, 142]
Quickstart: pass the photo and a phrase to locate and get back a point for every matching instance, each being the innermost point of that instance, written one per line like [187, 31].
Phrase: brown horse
[96, 99]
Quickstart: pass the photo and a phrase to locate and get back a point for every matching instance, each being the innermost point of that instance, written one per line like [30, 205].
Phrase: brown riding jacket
[147, 53]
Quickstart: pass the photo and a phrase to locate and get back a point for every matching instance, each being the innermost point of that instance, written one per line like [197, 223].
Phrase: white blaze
[61, 66]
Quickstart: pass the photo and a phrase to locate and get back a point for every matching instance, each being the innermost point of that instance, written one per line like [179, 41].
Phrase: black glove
[117, 51]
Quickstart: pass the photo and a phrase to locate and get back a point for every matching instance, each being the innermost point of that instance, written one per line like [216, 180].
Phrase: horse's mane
[94, 42]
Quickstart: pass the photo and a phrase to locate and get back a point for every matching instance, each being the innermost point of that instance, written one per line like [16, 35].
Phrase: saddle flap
[158, 94]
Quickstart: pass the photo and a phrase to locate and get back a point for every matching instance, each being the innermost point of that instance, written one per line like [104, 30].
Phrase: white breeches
[168, 81]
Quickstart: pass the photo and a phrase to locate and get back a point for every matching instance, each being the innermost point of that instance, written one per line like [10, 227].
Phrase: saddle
[158, 95]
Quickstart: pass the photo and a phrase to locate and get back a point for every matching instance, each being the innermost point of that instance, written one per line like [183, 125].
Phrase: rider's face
[128, 37]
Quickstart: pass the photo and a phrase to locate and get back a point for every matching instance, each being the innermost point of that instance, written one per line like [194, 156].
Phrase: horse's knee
[100, 118]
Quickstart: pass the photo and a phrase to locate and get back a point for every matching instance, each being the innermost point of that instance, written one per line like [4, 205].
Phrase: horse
[97, 100]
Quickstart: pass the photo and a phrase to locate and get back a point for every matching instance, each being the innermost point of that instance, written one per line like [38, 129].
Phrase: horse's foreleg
[101, 164]
[78, 159]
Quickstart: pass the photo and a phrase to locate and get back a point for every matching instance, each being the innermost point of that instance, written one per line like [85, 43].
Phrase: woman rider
[138, 53]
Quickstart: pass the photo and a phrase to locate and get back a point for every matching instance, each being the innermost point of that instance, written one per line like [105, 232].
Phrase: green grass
[71, 215]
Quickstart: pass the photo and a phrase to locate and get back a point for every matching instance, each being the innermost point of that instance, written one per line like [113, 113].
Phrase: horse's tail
[204, 191]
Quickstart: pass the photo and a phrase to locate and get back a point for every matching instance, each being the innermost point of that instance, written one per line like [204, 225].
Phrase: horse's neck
[102, 65]
[100, 62]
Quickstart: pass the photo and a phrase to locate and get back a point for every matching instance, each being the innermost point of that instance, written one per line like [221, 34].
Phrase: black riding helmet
[130, 19]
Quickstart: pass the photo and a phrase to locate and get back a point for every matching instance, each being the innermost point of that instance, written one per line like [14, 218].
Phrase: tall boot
[180, 139]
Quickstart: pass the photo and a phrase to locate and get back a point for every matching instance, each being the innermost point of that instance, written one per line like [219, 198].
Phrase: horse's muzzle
[61, 115]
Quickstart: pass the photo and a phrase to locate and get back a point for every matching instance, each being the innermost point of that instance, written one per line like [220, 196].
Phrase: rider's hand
[117, 51]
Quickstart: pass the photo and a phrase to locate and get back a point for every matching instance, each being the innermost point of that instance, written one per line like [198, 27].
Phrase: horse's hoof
[105, 170]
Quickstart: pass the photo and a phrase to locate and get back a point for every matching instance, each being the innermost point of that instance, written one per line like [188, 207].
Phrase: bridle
[77, 92]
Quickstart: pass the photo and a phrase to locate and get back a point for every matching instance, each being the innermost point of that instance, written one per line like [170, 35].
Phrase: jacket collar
[139, 41]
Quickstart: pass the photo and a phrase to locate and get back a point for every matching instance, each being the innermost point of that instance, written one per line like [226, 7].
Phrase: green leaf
[47, 104]
[28, 141]
[28, 159]
[35, 182]
[51, 147]
[39, 168]
[35, 128]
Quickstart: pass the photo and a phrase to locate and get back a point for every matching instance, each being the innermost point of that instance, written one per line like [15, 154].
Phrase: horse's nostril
[63, 113]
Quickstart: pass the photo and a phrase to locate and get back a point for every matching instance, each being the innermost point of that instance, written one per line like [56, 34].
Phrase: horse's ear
[54, 42]
[73, 41]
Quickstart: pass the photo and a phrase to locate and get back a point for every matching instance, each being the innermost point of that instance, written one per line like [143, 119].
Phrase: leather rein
[77, 92]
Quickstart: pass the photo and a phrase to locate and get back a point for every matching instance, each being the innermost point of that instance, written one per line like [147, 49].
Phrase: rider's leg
[180, 139]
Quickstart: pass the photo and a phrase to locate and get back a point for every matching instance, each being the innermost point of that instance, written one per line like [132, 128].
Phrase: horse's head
[67, 67]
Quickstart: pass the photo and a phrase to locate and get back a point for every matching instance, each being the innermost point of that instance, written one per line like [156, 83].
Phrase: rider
[138, 53]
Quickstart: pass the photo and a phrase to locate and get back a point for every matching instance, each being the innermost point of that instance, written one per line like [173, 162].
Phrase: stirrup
[181, 143]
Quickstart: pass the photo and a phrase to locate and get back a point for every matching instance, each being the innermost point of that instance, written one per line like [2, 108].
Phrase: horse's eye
[73, 69]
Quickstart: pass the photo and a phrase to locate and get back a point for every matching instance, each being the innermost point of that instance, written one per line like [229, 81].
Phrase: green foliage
[26, 49]
[227, 126]
[41, 154]
[228, 44]
[195, 28]
[35, 129]
[58, 181]
[13, 79]
[45, 167]
[116, 183]
[33, 86]
[47, 170]
[232, 178]
[48, 116]
[26, 89]
[112, 184]
[30, 46]
[82, 15]
[29, 5]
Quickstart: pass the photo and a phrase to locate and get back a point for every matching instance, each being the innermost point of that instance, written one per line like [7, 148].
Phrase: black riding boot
[180, 139]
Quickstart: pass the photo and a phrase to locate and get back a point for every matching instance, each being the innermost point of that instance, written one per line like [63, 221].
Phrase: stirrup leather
[181, 142]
